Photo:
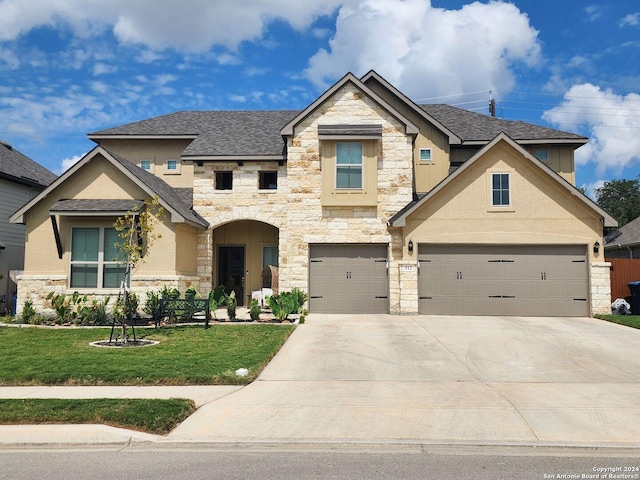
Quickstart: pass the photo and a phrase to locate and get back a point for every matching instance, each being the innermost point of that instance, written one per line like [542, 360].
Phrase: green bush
[29, 314]
[231, 306]
[254, 310]
[283, 304]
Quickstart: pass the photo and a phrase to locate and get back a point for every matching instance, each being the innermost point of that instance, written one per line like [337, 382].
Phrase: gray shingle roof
[626, 235]
[180, 199]
[472, 126]
[219, 133]
[95, 206]
[20, 168]
[257, 132]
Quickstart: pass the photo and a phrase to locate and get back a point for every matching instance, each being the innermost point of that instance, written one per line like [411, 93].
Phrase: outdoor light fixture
[410, 245]
[596, 247]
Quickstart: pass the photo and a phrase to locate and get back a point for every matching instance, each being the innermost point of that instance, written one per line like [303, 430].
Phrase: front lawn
[146, 415]
[185, 355]
[628, 320]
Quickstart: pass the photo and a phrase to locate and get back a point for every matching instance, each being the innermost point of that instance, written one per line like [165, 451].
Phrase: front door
[231, 271]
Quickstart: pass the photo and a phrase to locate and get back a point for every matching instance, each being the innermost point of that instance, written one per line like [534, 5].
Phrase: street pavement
[403, 380]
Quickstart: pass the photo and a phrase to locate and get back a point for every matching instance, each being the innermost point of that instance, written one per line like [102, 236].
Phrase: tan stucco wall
[44, 271]
[158, 151]
[542, 212]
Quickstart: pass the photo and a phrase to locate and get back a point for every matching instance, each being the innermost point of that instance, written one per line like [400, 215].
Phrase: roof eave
[141, 137]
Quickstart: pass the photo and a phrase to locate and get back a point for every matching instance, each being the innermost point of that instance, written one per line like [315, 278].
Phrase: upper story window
[500, 190]
[146, 165]
[95, 261]
[172, 166]
[268, 180]
[425, 155]
[541, 154]
[349, 165]
[224, 180]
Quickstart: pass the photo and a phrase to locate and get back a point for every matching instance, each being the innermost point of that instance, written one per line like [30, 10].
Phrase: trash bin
[634, 287]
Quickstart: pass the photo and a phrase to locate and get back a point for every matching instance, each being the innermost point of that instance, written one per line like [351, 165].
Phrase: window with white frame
[500, 190]
[145, 165]
[349, 165]
[95, 261]
[425, 154]
[172, 166]
[269, 256]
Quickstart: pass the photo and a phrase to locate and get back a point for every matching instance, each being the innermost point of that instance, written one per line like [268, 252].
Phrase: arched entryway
[241, 251]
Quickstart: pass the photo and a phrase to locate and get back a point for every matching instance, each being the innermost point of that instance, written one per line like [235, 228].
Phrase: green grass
[185, 356]
[152, 416]
[628, 320]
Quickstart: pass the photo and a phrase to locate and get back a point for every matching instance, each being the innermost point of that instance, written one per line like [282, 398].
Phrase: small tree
[135, 237]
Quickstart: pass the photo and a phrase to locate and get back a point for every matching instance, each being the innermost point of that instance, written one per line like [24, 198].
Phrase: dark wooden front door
[231, 271]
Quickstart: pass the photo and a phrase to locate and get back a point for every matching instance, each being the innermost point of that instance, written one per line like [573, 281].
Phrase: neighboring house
[624, 242]
[366, 200]
[20, 180]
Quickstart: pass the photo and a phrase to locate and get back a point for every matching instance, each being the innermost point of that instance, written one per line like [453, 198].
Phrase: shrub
[29, 314]
[232, 303]
[300, 297]
[283, 304]
[254, 310]
[152, 306]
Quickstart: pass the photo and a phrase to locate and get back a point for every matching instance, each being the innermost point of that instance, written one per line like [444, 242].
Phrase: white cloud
[594, 12]
[427, 51]
[590, 188]
[632, 19]
[102, 68]
[188, 25]
[67, 163]
[613, 122]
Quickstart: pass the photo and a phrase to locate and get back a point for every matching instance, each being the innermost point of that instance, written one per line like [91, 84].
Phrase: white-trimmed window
[146, 164]
[349, 165]
[425, 155]
[269, 256]
[172, 166]
[94, 258]
[500, 189]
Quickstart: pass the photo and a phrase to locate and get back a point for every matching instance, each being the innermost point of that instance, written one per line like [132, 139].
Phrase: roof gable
[399, 219]
[170, 198]
[288, 129]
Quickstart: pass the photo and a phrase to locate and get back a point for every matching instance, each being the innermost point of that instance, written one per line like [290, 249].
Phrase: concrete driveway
[434, 379]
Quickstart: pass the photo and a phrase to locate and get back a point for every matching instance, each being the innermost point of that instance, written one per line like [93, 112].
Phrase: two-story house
[366, 200]
[21, 179]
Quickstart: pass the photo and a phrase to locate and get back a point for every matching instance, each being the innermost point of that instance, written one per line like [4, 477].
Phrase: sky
[71, 67]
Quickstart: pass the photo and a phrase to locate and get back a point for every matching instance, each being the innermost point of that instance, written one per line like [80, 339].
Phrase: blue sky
[70, 67]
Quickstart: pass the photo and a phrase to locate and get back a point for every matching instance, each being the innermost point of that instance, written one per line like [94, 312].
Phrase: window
[224, 180]
[269, 256]
[268, 180]
[541, 154]
[172, 166]
[425, 154]
[349, 165]
[500, 190]
[94, 258]
[145, 165]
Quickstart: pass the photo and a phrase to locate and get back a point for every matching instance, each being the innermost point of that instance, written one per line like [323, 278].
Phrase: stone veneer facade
[296, 209]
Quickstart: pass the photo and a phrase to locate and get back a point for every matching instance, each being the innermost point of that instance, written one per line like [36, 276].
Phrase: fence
[623, 271]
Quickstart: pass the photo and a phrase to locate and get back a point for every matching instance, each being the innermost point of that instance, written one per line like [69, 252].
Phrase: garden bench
[184, 309]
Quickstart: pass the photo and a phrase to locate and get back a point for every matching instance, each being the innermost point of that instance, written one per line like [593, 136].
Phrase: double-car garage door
[348, 278]
[525, 280]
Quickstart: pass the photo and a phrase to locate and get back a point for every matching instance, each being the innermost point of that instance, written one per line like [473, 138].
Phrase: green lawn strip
[628, 320]
[185, 355]
[146, 415]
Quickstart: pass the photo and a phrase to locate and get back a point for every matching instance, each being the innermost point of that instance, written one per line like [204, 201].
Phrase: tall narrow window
[500, 190]
[349, 165]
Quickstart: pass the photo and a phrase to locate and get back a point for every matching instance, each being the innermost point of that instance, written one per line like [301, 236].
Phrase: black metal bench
[182, 309]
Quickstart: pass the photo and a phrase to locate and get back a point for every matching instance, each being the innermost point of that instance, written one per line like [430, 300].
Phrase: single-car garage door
[348, 278]
[524, 280]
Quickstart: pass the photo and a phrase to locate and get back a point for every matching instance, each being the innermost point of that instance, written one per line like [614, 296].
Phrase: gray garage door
[348, 278]
[503, 280]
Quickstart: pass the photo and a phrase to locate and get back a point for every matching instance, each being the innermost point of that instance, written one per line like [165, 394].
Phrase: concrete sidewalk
[383, 379]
